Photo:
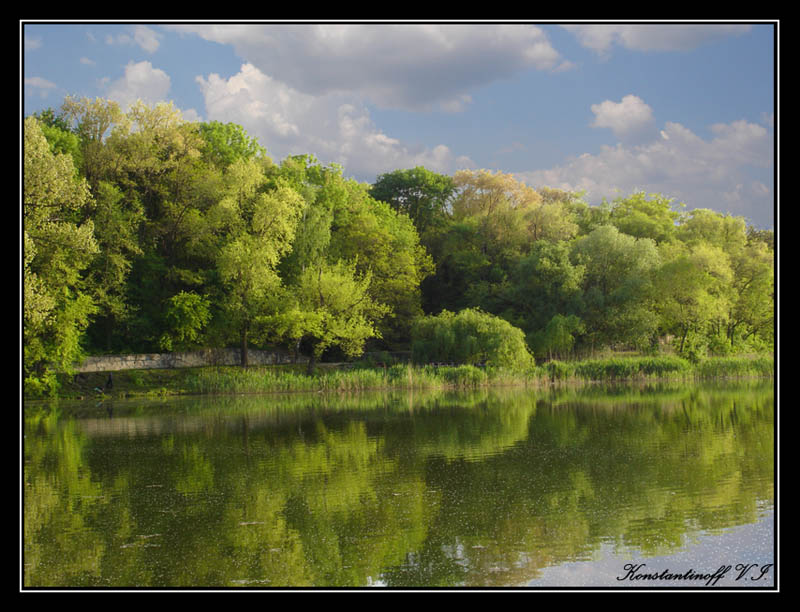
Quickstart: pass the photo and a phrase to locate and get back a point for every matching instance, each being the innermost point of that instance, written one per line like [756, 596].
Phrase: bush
[470, 337]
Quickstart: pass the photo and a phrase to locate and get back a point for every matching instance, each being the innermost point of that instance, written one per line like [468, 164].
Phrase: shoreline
[227, 380]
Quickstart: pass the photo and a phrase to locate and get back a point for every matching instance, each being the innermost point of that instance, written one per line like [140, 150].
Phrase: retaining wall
[208, 357]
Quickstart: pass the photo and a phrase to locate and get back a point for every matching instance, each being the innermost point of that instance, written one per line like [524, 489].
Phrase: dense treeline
[144, 232]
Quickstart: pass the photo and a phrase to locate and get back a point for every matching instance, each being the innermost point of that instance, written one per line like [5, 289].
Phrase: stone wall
[208, 357]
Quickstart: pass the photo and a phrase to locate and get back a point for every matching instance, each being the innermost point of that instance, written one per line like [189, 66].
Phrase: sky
[682, 109]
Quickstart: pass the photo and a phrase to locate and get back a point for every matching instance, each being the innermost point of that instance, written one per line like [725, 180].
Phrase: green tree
[187, 315]
[330, 306]
[225, 143]
[691, 286]
[257, 224]
[644, 216]
[752, 306]
[471, 337]
[385, 244]
[617, 286]
[57, 250]
[543, 285]
[94, 122]
[421, 194]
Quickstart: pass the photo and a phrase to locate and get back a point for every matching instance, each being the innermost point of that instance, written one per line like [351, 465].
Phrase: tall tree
[57, 250]
[257, 224]
[617, 286]
[421, 194]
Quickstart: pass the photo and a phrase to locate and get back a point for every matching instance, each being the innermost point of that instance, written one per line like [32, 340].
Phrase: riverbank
[357, 377]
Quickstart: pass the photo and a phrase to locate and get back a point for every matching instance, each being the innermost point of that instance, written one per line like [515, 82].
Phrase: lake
[621, 487]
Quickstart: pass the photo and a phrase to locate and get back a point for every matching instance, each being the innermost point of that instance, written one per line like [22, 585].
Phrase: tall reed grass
[406, 376]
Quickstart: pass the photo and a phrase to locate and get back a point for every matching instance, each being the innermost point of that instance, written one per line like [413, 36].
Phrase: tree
[753, 303]
[617, 287]
[187, 314]
[638, 216]
[257, 224]
[544, 285]
[342, 222]
[471, 337]
[419, 193]
[692, 287]
[57, 250]
[94, 121]
[385, 244]
[225, 143]
[330, 306]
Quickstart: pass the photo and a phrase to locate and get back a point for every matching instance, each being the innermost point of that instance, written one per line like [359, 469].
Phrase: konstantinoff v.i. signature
[741, 572]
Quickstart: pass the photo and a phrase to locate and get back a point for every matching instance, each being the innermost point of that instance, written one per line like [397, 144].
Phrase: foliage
[330, 306]
[419, 193]
[56, 250]
[469, 337]
[131, 215]
[187, 314]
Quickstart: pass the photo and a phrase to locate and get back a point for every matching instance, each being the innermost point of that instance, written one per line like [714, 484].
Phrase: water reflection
[490, 488]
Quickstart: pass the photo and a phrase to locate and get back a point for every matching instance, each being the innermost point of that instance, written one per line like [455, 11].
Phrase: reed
[278, 379]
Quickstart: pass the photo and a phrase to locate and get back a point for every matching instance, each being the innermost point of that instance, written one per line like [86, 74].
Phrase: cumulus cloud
[408, 66]
[140, 81]
[652, 37]
[724, 173]
[630, 119]
[335, 126]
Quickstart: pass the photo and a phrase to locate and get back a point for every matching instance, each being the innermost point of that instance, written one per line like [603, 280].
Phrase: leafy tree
[187, 314]
[94, 121]
[645, 217]
[384, 243]
[330, 306]
[470, 336]
[544, 285]
[225, 143]
[257, 224]
[117, 221]
[691, 286]
[617, 288]
[421, 194]
[558, 337]
[752, 306]
[727, 232]
[57, 250]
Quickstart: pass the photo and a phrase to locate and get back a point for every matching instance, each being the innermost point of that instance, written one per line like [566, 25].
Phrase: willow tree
[470, 337]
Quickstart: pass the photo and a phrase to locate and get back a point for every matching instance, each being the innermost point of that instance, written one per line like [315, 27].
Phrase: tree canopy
[143, 231]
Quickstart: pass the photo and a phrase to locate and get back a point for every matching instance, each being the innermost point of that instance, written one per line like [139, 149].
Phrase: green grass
[281, 379]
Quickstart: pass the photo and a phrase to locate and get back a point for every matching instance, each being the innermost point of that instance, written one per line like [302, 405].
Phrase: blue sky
[681, 109]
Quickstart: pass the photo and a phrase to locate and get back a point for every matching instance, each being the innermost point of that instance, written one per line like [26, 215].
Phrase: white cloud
[144, 37]
[409, 66]
[652, 37]
[629, 119]
[335, 127]
[141, 81]
[41, 86]
[723, 173]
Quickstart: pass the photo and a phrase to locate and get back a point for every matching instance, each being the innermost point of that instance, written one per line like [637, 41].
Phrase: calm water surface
[622, 487]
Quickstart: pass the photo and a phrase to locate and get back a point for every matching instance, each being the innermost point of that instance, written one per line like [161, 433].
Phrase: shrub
[470, 337]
